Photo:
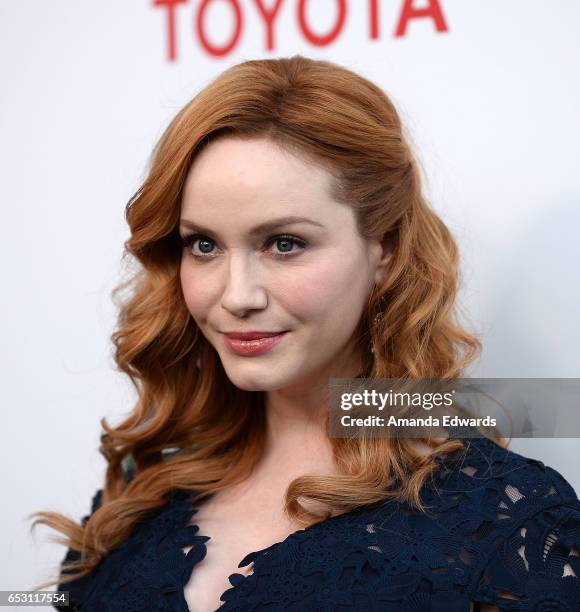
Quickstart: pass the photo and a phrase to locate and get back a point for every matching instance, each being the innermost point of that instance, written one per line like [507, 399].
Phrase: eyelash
[187, 241]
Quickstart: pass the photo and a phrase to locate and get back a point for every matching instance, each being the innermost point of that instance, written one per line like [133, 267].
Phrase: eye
[205, 245]
[285, 243]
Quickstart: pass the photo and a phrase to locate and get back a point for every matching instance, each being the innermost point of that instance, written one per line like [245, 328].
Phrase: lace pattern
[500, 529]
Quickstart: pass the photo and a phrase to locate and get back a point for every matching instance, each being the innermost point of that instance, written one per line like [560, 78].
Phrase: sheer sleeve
[538, 566]
[77, 587]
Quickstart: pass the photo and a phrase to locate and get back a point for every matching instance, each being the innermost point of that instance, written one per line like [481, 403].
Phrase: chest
[209, 579]
[234, 532]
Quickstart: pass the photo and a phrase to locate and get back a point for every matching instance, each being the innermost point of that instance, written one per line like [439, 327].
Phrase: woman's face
[309, 278]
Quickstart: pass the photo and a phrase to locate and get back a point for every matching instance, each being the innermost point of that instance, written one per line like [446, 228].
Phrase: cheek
[331, 287]
[195, 293]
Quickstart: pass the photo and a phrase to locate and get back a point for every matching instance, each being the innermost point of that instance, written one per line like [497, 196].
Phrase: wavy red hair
[344, 121]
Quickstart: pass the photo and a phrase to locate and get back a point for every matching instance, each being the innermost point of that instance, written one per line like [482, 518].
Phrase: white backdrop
[489, 93]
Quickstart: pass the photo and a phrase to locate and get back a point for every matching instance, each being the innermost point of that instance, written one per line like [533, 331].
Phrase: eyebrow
[258, 230]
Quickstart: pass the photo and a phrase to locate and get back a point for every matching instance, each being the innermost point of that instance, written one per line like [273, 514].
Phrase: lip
[252, 343]
[252, 335]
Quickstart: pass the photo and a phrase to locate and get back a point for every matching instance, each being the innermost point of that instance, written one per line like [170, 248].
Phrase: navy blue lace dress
[501, 529]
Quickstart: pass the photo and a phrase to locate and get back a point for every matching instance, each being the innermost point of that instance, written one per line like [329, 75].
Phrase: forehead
[235, 175]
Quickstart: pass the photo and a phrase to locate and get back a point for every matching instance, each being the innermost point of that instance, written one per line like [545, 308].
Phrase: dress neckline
[187, 503]
[198, 550]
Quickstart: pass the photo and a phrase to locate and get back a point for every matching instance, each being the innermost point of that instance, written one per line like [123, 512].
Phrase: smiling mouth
[252, 335]
[248, 345]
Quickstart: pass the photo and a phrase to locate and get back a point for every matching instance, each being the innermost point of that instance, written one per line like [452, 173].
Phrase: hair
[185, 400]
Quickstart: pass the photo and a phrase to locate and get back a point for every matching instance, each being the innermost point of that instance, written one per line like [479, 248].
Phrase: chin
[248, 384]
[263, 379]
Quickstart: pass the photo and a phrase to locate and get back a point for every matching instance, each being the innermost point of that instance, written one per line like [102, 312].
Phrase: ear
[383, 254]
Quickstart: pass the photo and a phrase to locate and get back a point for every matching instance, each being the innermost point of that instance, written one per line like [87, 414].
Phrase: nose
[243, 290]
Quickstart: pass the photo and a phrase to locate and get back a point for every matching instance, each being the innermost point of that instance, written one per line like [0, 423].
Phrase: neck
[296, 420]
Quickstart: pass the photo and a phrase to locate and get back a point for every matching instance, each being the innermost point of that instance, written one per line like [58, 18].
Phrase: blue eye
[285, 243]
[205, 245]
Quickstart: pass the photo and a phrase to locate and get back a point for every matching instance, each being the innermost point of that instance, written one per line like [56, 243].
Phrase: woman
[284, 240]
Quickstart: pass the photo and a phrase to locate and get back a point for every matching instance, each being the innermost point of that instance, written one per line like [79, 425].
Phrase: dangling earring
[377, 321]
